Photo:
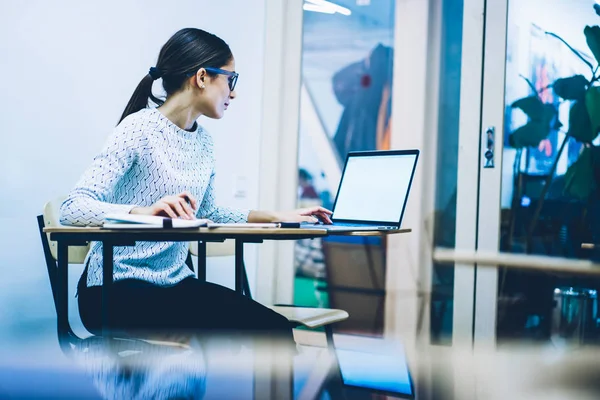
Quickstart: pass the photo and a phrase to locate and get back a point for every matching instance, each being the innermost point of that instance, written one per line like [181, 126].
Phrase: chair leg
[246, 284]
[329, 337]
[64, 330]
[50, 262]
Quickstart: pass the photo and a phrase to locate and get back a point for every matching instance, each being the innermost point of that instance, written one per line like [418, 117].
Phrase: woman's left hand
[309, 214]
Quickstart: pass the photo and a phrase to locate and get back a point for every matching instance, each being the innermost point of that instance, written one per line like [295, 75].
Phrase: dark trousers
[191, 306]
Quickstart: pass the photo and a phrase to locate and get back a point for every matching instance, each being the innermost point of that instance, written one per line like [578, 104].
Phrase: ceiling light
[315, 8]
[325, 6]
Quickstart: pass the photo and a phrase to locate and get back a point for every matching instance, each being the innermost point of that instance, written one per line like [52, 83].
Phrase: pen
[187, 200]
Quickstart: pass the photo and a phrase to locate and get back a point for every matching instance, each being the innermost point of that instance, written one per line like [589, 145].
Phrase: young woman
[159, 161]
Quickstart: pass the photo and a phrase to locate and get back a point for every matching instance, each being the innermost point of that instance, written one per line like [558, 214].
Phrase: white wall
[67, 70]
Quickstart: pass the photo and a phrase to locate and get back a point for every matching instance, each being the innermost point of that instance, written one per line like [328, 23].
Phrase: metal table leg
[107, 276]
[239, 266]
[202, 261]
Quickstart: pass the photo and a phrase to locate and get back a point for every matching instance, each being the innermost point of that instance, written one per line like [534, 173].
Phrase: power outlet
[240, 187]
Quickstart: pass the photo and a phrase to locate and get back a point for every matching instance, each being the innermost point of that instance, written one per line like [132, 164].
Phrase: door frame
[478, 217]
[279, 152]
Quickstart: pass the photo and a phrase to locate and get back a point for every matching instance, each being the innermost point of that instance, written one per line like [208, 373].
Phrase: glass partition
[346, 100]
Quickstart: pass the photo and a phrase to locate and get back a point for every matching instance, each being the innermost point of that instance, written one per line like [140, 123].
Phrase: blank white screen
[374, 188]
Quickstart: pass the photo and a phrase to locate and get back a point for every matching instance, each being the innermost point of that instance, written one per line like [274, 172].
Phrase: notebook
[373, 191]
[135, 221]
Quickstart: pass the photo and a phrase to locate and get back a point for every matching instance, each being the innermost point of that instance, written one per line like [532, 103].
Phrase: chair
[311, 318]
[77, 255]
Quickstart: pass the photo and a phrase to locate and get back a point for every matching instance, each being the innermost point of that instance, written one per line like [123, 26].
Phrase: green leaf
[541, 116]
[557, 124]
[530, 134]
[572, 88]
[592, 103]
[532, 106]
[579, 179]
[592, 37]
[548, 114]
[580, 126]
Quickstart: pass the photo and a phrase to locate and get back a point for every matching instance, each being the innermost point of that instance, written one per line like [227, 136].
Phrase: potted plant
[583, 94]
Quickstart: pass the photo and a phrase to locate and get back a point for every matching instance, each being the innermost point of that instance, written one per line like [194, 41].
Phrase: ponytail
[139, 99]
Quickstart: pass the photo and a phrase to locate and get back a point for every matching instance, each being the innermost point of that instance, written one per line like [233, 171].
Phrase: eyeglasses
[232, 77]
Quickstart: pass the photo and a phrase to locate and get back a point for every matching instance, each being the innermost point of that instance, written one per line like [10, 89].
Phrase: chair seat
[311, 317]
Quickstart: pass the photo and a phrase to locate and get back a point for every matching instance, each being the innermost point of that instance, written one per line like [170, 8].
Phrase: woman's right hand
[182, 205]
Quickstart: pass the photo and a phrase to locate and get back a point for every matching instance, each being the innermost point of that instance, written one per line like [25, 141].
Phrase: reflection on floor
[202, 367]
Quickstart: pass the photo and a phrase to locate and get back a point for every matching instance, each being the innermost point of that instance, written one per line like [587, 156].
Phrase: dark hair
[185, 52]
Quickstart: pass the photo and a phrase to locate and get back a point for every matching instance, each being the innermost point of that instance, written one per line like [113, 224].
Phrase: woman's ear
[201, 78]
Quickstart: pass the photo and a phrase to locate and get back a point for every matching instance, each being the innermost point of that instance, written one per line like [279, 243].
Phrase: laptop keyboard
[346, 225]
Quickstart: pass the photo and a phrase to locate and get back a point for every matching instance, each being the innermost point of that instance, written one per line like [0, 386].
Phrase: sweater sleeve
[208, 209]
[89, 200]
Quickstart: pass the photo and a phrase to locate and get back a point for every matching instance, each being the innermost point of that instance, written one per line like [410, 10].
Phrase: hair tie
[155, 73]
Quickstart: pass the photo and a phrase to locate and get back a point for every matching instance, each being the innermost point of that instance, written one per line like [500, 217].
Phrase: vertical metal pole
[107, 276]
[202, 261]
[239, 265]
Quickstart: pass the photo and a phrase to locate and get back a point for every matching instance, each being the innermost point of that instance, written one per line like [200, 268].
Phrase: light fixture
[315, 8]
[327, 7]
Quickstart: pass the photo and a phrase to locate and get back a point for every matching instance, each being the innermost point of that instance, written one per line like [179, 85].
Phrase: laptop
[373, 191]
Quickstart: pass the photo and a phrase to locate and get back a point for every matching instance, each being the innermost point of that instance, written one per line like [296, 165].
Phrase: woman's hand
[309, 214]
[182, 205]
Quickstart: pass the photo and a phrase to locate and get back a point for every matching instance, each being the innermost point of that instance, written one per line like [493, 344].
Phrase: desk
[78, 236]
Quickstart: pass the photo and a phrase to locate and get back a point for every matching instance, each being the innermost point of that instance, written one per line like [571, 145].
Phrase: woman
[159, 161]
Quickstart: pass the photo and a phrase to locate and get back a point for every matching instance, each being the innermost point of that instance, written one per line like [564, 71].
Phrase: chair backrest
[77, 254]
[215, 249]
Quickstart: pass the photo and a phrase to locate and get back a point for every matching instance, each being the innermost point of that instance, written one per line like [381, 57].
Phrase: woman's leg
[190, 306]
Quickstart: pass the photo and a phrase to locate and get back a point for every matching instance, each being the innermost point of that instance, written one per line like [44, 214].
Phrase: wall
[68, 69]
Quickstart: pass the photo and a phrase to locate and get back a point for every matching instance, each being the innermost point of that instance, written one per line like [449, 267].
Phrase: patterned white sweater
[146, 158]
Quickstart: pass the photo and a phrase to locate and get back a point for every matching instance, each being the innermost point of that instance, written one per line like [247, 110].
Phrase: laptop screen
[374, 187]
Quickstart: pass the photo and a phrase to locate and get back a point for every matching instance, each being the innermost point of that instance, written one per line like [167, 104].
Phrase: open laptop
[373, 191]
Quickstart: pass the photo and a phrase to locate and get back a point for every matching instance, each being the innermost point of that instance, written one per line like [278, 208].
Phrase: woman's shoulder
[138, 127]
[145, 118]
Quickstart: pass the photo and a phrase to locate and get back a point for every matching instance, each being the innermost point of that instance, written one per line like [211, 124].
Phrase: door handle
[489, 136]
